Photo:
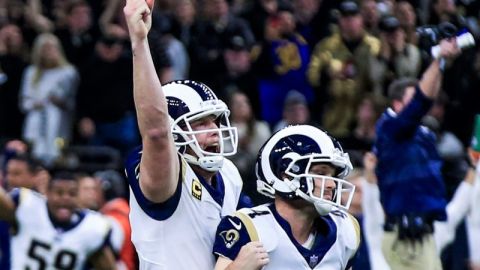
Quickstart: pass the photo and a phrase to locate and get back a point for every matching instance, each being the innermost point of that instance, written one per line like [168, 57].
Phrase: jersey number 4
[38, 251]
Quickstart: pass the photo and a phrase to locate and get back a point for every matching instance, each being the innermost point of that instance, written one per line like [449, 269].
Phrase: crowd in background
[66, 99]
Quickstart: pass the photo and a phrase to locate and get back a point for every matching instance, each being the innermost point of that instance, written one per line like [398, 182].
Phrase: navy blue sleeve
[231, 236]
[157, 211]
[244, 201]
[408, 120]
[15, 195]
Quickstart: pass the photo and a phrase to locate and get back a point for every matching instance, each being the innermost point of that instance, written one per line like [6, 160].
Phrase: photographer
[409, 176]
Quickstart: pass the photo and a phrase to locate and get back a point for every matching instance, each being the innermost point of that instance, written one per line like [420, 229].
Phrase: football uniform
[39, 244]
[332, 247]
[179, 233]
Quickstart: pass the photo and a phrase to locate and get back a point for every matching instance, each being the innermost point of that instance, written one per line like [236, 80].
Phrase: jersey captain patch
[197, 189]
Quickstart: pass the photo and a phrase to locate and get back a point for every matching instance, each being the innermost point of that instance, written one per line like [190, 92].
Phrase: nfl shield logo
[313, 261]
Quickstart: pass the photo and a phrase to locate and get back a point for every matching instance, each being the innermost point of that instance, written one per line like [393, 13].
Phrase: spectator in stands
[210, 35]
[88, 192]
[13, 60]
[371, 16]
[408, 161]
[252, 133]
[282, 65]
[237, 72]
[182, 19]
[339, 68]
[48, 92]
[407, 17]
[397, 57]
[79, 34]
[105, 99]
[295, 111]
[363, 133]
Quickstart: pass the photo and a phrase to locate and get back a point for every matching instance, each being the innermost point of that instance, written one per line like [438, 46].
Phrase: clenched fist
[138, 14]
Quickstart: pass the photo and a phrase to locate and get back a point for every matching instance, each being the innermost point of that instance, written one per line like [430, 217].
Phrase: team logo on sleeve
[197, 189]
[230, 237]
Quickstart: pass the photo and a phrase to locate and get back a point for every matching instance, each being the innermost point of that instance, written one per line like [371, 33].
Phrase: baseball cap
[389, 23]
[348, 8]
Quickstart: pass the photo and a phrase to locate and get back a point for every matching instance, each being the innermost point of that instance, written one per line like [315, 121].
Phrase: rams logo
[230, 237]
[196, 189]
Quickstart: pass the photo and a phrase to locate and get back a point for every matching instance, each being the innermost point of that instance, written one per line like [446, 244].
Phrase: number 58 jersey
[38, 244]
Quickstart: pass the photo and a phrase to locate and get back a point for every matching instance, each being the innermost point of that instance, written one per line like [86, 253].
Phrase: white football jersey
[331, 251]
[40, 245]
[179, 233]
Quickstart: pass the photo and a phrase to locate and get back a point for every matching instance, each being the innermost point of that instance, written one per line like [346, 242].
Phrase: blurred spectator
[182, 19]
[397, 58]
[105, 99]
[339, 68]
[49, 86]
[237, 72]
[251, 136]
[313, 19]
[160, 55]
[115, 206]
[282, 65]
[88, 192]
[112, 20]
[13, 60]
[408, 161]
[210, 35]
[363, 134]
[257, 13]
[371, 16]
[407, 17]
[295, 111]
[79, 34]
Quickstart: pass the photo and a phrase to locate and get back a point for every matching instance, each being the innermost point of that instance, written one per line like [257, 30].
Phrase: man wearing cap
[338, 67]
[397, 57]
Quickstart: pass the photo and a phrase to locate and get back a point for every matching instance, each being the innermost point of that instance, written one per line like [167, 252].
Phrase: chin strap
[211, 164]
[322, 208]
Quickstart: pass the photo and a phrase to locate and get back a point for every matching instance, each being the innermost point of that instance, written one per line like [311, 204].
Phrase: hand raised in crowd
[252, 256]
[138, 14]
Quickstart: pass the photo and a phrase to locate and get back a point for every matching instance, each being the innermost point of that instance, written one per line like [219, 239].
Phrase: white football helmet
[189, 101]
[292, 151]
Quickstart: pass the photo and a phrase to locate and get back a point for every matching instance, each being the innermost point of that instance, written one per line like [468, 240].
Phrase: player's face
[62, 199]
[326, 170]
[18, 174]
[208, 141]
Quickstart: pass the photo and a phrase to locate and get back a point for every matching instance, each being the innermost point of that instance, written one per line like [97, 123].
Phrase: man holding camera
[409, 169]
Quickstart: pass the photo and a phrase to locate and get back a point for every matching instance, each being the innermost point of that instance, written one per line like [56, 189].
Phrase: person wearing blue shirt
[409, 176]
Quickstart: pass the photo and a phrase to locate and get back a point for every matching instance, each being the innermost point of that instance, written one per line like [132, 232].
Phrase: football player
[307, 226]
[51, 233]
[181, 184]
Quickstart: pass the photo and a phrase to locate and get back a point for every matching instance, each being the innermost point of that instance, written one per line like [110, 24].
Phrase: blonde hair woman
[48, 97]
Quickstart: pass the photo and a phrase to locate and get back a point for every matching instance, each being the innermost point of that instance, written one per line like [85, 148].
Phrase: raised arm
[432, 77]
[159, 166]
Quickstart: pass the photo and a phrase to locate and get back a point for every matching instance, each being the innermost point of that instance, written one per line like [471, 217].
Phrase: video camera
[429, 37]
